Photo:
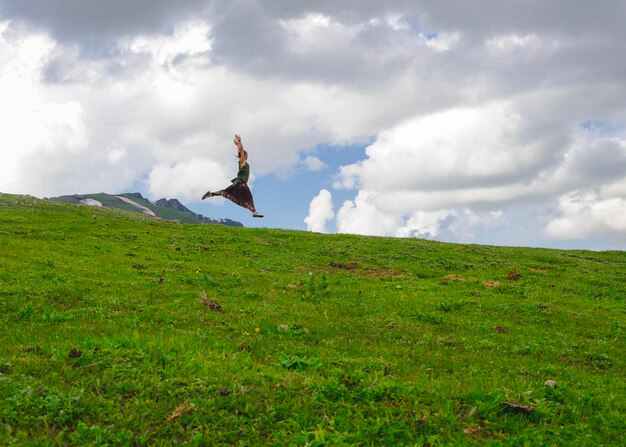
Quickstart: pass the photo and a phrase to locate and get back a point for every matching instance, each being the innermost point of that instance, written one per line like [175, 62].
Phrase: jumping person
[238, 192]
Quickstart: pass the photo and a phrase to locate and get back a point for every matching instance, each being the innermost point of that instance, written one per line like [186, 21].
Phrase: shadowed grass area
[120, 329]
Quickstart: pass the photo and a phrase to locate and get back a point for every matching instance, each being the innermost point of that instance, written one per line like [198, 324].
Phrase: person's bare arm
[240, 152]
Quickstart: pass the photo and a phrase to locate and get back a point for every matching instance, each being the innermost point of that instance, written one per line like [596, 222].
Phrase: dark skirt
[240, 194]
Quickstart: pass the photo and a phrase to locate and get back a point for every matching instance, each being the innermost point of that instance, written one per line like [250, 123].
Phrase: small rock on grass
[550, 384]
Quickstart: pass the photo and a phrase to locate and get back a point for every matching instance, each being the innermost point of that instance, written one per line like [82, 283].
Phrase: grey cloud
[63, 68]
[84, 19]
[601, 162]
[489, 17]
[248, 38]
[577, 42]
[88, 21]
[483, 18]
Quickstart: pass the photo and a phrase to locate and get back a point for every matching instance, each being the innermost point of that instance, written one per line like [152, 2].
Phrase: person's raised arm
[240, 151]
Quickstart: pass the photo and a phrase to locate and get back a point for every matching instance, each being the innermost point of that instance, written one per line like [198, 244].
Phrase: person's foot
[257, 215]
[207, 194]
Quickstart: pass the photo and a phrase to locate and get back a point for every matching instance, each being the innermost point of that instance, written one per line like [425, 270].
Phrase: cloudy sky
[493, 122]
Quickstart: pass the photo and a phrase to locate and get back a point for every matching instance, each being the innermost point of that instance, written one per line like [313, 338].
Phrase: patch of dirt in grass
[513, 275]
[381, 273]
[350, 265]
[353, 267]
[185, 407]
[471, 430]
[456, 278]
[539, 270]
[211, 304]
[460, 278]
[32, 349]
[491, 284]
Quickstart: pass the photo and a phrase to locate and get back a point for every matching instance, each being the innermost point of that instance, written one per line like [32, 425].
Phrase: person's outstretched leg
[254, 213]
[250, 206]
[235, 195]
[213, 194]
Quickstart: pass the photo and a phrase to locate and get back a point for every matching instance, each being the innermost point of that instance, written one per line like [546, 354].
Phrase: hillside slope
[120, 329]
[170, 209]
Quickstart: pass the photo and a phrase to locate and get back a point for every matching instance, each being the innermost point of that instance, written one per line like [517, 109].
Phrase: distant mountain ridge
[172, 204]
[169, 209]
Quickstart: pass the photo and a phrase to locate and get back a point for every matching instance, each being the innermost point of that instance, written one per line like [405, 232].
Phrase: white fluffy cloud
[320, 211]
[186, 180]
[454, 149]
[29, 121]
[312, 163]
[424, 176]
[418, 172]
[364, 216]
[458, 223]
[583, 214]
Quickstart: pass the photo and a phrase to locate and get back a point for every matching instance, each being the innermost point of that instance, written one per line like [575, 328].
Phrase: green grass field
[116, 329]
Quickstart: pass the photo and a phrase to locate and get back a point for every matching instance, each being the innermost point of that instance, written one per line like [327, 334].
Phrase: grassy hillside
[118, 329]
[113, 201]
